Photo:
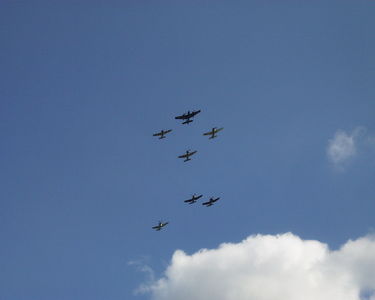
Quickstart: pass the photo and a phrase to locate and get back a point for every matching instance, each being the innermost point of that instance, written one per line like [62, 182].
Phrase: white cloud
[267, 267]
[343, 146]
[346, 145]
[142, 267]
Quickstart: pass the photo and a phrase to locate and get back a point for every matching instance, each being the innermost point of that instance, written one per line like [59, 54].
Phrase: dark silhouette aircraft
[162, 133]
[160, 225]
[193, 199]
[187, 155]
[213, 132]
[211, 201]
[187, 116]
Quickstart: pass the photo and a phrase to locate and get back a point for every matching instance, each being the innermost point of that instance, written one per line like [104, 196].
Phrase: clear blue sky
[85, 84]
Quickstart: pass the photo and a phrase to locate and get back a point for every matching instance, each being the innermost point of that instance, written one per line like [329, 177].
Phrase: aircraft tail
[187, 159]
[162, 137]
[187, 121]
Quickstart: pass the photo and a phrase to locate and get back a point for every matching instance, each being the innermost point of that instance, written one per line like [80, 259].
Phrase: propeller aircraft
[187, 116]
[193, 199]
[160, 225]
[211, 201]
[162, 133]
[187, 155]
[213, 132]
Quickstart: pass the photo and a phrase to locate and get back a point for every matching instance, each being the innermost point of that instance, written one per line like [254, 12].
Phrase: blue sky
[85, 85]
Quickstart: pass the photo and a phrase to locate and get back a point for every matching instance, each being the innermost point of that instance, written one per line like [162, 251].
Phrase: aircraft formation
[187, 119]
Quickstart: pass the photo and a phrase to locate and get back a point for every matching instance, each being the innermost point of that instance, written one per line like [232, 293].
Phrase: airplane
[210, 202]
[187, 116]
[193, 199]
[187, 155]
[213, 132]
[162, 133]
[160, 225]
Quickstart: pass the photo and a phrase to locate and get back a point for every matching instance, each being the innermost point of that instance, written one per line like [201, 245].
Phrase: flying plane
[193, 199]
[187, 155]
[162, 133]
[187, 116]
[210, 202]
[213, 132]
[160, 225]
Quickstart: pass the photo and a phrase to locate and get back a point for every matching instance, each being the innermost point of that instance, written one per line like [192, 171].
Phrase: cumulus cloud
[269, 267]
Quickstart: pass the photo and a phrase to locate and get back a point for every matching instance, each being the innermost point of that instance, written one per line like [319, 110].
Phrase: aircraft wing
[208, 133]
[206, 203]
[182, 117]
[219, 129]
[157, 134]
[184, 156]
[168, 131]
[156, 227]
